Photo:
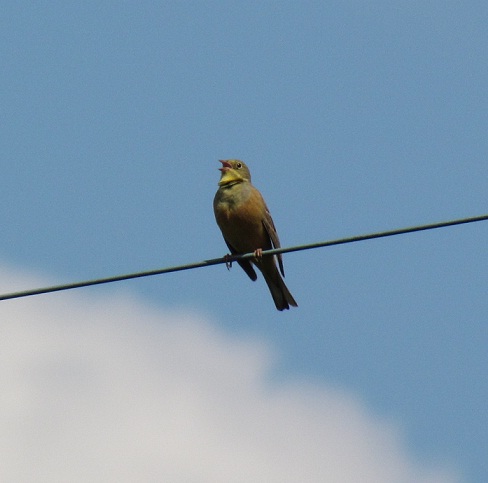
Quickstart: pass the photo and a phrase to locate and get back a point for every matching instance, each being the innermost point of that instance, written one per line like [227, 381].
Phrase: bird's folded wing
[273, 235]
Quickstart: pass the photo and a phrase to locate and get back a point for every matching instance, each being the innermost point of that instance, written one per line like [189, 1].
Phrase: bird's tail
[280, 293]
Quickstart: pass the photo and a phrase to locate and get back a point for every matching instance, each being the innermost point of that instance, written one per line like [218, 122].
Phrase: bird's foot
[228, 261]
[258, 253]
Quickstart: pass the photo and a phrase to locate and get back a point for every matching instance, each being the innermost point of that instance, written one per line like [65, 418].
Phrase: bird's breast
[239, 214]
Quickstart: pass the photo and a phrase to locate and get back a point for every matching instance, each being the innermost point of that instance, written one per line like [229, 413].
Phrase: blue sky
[352, 117]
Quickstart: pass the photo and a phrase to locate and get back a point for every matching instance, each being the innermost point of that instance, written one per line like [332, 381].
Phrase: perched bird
[247, 226]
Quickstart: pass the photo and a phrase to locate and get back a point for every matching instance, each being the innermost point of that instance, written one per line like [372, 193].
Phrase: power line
[227, 259]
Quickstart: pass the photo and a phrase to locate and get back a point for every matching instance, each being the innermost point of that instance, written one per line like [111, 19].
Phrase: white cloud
[107, 388]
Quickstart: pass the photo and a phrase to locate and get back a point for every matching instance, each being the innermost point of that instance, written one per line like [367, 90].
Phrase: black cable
[227, 259]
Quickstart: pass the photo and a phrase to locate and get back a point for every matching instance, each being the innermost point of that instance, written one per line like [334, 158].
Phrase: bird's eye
[239, 165]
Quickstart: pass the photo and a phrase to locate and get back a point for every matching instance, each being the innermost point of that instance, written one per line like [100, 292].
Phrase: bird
[247, 227]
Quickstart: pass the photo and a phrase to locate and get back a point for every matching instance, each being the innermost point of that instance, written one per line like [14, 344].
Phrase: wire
[231, 258]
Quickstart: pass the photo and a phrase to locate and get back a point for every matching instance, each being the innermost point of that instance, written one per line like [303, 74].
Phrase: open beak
[225, 165]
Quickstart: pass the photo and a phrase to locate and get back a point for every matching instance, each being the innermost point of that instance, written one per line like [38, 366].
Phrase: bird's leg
[258, 253]
[228, 261]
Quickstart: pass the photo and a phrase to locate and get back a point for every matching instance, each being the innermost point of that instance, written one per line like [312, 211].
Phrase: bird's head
[233, 171]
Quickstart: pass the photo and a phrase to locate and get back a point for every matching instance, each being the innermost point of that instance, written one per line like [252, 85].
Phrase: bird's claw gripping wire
[228, 261]
[258, 253]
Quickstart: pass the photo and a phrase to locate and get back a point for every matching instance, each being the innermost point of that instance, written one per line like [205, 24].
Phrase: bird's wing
[273, 236]
[244, 264]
